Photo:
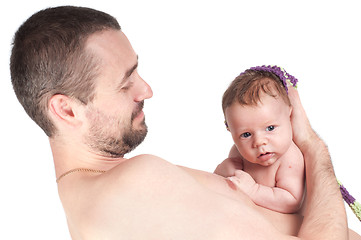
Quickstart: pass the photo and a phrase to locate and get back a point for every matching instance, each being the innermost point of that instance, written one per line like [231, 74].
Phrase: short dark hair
[48, 58]
[246, 88]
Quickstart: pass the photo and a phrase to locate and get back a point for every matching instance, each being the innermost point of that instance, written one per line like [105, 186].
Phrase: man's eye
[270, 128]
[245, 135]
[126, 87]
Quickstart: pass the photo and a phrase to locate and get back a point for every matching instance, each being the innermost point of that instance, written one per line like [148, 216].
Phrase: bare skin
[270, 163]
[146, 197]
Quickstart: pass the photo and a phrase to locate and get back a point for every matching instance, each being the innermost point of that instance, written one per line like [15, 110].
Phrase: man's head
[48, 58]
[257, 111]
[115, 120]
[71, 67]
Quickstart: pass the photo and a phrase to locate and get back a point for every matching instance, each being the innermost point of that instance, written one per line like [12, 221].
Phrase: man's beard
[113, 138]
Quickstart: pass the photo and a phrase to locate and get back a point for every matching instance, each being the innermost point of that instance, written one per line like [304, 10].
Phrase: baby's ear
[62, 110]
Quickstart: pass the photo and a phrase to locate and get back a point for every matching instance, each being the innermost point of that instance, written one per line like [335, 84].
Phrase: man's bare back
[149, 198]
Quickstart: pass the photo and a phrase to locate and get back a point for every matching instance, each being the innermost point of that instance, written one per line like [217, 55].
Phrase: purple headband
[280, 72]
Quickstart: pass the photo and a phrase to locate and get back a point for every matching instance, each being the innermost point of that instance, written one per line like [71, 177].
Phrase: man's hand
[325, 215]
[302, 130]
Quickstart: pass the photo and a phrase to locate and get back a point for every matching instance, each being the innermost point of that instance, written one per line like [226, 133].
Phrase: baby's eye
[270, 128]
[245, 135]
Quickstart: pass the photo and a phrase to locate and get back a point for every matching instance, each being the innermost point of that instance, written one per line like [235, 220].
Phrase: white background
[189, 51]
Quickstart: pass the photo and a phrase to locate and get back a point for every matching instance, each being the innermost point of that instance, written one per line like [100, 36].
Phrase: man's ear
[225, 123]
[291, 109]
[64, 110]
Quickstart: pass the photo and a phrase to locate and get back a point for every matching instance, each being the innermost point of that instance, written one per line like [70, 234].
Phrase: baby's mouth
[262, 154]
[265, 156]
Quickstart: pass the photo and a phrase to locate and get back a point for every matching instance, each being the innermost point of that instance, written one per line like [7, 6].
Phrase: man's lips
[140, 115]
[138, 111]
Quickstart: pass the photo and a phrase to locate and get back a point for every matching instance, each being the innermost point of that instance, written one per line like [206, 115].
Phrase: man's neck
[68, 156]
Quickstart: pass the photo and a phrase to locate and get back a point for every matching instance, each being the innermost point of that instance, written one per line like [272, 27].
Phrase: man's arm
[325, 215]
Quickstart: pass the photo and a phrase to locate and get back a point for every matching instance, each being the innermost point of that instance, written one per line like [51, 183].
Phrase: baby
[264, 162]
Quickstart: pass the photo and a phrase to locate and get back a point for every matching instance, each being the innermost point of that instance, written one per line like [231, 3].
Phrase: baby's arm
[228, 167]
[291, 177]
[286, 196]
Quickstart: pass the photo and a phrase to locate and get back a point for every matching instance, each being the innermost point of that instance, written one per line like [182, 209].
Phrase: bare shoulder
[148, 164]
[138, 196]
[291, 173]
[292, 159]
[148, 196]
[144, 172]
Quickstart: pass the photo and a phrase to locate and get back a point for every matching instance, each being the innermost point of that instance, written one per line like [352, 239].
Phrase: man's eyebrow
[130, 71]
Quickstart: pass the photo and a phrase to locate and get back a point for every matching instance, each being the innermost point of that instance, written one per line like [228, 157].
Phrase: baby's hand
[244, 182]
[228, 167]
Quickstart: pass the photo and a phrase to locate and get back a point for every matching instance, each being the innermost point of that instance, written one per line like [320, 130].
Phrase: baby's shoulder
[292, 156]
[292, 161]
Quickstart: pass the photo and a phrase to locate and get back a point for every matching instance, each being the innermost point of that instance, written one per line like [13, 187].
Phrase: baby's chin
[266, 164]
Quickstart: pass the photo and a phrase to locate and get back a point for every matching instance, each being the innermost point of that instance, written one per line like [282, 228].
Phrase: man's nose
[142, 91]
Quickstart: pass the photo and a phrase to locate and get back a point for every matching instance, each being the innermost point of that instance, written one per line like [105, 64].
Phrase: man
[75, 73]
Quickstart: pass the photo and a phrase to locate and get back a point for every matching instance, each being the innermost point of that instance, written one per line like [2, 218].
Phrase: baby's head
[248, 86]
[257, 112]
